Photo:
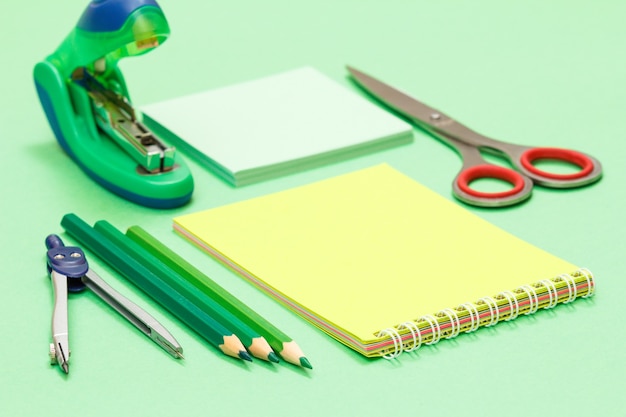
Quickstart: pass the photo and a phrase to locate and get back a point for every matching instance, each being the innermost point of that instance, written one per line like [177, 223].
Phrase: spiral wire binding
[571, 287]
[554, 294]
[591, 286]
[494, 312]
[533, 302]
[435, 328]
[397, 342]
[415, 333]
[510, 297]
[455, 322]
[474, 316]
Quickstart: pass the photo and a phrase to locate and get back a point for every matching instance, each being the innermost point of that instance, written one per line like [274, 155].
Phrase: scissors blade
[428, 118]
[396, 99]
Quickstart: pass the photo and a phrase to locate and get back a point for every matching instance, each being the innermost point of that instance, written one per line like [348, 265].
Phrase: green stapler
[86, 101]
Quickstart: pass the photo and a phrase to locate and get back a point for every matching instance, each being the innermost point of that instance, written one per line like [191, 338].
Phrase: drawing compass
[70, 272]
[86, 101]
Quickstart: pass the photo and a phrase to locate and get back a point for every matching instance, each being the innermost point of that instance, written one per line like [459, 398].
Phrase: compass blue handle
[54, 241]
[66, 260]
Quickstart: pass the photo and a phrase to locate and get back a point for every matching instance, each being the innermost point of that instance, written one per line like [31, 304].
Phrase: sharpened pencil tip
[305, 363]
[65, 367]
[245, 356]
[272, 357]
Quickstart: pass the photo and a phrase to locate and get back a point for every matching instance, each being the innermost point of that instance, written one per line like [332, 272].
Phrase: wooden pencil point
[259, 348]
[292, 353]
[232, 346]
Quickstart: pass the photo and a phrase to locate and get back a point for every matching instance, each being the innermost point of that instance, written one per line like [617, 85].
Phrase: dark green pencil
[255, 343]
[279, 341]
[214, 332]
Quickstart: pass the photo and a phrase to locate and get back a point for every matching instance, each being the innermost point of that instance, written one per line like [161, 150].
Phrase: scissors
[468, 144]
[70, 272]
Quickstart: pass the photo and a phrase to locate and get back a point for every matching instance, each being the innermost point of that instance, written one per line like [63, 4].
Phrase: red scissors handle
[521, 186]
[587, 164]
[475, 168]
[476, 172]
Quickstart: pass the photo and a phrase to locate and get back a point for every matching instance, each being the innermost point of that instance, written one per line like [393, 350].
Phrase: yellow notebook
[382, 263]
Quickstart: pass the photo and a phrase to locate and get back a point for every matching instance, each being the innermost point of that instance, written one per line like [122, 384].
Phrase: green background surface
[533, 72]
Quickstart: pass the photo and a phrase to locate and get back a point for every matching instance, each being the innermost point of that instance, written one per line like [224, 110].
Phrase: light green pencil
[279, 341]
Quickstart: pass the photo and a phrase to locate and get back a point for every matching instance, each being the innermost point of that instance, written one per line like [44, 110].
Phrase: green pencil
[255, 343]
[279, 341]
[214, 332]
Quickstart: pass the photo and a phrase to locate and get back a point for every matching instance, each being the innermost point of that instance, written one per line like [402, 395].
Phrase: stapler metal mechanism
[86, 101]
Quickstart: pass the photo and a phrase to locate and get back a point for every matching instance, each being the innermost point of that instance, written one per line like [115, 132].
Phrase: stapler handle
[108, 31]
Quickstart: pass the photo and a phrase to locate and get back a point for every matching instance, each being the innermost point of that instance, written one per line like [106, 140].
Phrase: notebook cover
[275, 125]
[364, 251]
